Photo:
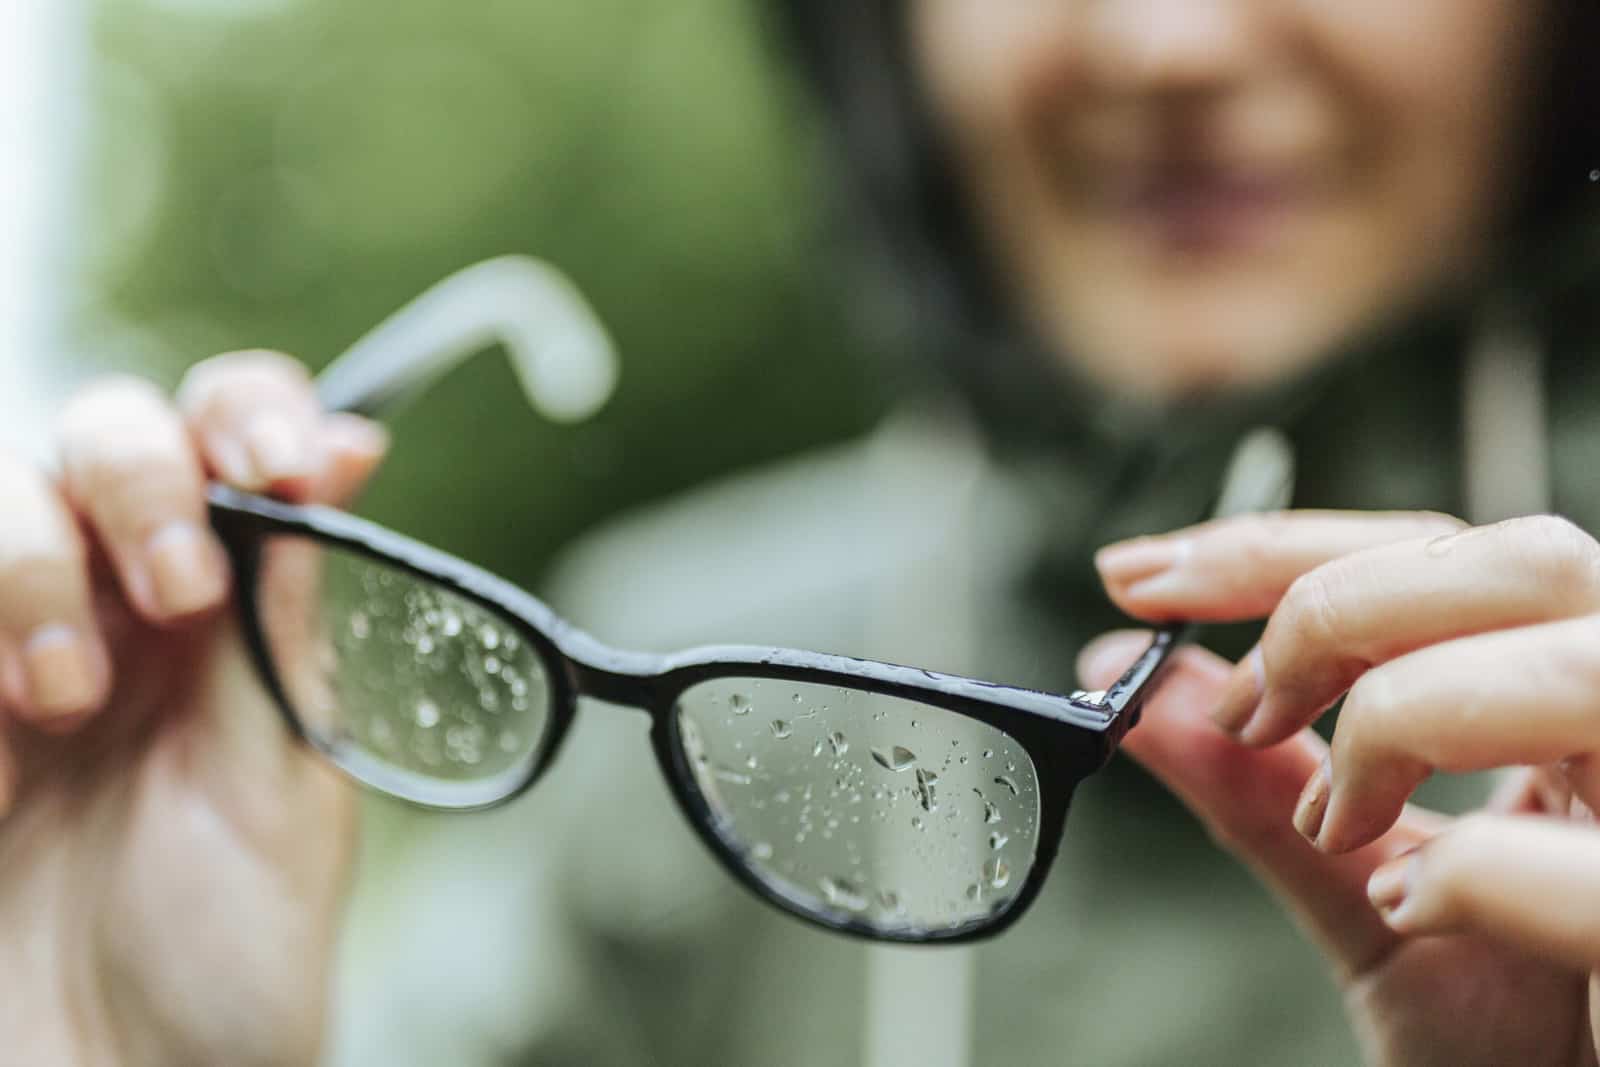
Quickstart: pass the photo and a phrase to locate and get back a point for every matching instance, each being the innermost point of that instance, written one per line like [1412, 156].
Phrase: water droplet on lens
[1008, 783]
[896, 759]
[973, 892]
[761, 851]
[988, 753]
[795, 698]
[491, 664]
[890, 901]
[360, 625]
[739, 703]
[816, 749]
[489, 637]
[427, 714]
[450, 625]
[723, 774]
[752, 762]
[839, 744]
[781, 729]
[916, 822]
[998, 840]
[842, 893]
[1011, 766]
[996, 873]
[991, 814]
[925, 793]
[508, 741]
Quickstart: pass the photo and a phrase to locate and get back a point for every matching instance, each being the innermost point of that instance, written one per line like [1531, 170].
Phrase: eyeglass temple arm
[561, 354]
[1260, 477]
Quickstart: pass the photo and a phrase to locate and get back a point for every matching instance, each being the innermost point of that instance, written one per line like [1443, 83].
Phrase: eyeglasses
[878, 800]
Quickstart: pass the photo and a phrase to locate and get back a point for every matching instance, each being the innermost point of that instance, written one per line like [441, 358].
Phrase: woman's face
[1189, 194]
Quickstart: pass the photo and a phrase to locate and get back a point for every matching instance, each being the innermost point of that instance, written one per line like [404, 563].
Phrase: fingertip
[280, 450]
[230, 461]
[65, 676]
[184, 573]
[355, 447]
[1103, 659]
[1362, 808]
[352, 434]
[1127, 562]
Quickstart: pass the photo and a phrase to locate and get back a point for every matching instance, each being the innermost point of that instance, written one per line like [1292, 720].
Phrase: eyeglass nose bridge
[628, 679]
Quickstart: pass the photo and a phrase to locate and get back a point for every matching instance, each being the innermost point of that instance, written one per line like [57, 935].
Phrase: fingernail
[65, 671]
[233, 462]
[186, 569]
[1242, 696]
[1312, 807]
[1391, 886]
[1174, 582]
[277, 448]
[1262, 723]
[1141, 558]
[358, 434]
[1103, 658]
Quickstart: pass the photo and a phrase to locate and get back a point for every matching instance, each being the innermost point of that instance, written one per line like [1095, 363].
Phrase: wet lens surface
[414, 688]
[899, 815]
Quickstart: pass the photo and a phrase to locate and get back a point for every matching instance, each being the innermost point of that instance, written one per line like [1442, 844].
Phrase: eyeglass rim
[1066, 740]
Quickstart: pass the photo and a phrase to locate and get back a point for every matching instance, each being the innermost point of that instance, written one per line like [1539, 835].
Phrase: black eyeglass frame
[1068, 738]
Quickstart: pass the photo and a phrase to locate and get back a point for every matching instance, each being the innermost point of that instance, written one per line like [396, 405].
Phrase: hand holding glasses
[880, 800]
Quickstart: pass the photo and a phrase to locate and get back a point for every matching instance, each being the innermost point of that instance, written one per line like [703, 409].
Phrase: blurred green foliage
[284, 173]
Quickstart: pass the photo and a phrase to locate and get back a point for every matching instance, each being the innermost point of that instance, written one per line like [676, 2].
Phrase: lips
[1206, 207]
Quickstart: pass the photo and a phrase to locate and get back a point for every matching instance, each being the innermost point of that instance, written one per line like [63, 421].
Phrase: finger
[129, 468]
[1522, 696]
[1527, 880]
[1246, 798]
[1363, 609]
[54, 668]
[256, 418]
[1240, 567]
[353, 447]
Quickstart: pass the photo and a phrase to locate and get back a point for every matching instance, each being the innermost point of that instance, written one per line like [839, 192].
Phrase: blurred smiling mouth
[1203, 206]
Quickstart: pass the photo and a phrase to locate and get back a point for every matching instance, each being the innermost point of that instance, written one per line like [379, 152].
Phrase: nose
[1170, 47]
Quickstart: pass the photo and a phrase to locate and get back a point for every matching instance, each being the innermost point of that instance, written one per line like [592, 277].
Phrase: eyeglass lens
[903, 816]
[416, 689]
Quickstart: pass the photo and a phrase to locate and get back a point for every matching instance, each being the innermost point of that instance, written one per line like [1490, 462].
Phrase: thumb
[1246, 798]
[353, 447]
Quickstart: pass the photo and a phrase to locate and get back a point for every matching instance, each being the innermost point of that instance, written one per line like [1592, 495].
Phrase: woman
[1143, 225]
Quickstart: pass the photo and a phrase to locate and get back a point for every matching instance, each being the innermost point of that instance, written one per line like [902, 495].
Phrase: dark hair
[855, 55]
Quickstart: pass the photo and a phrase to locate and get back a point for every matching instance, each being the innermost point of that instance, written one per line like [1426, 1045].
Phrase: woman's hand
[1467, 941]
[170, 862]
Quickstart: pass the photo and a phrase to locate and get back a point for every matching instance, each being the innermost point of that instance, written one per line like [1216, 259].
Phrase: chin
[1165, 348]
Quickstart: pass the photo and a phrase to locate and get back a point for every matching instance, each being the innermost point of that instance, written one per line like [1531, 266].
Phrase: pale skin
[1460, 941]
[172, 862]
